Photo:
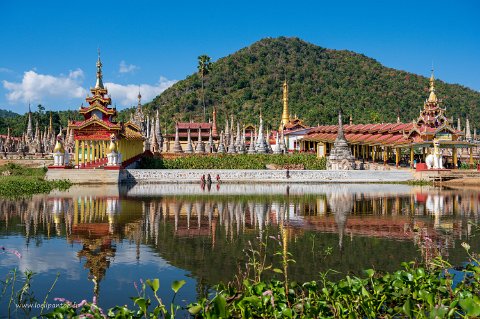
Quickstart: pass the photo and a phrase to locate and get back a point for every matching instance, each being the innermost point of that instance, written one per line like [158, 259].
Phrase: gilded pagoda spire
[285, 116]
[99, 84]
[214, 121]
[433, 96]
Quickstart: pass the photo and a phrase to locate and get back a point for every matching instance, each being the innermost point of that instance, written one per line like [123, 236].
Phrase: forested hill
[320, 81]
[18, 123]
[6, 113]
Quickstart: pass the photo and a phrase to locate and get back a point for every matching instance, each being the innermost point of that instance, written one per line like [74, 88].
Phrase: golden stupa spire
[432, 97]
[285, 116]
[99, 84]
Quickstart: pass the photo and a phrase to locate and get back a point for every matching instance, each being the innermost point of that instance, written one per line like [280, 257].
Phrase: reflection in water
[206, 235]
[341, 204]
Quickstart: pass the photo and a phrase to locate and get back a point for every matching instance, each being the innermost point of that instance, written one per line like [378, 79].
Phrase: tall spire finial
[139, 98]
[340, 134]
[29, 124]
[432, 97]
[50, 127]
[214, 121]
[99, 84]
[432, 77]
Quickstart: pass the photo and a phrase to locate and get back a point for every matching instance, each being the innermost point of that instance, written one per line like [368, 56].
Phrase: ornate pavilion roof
[131, 131]
[294, 124]
[99, 119]
[99, 99]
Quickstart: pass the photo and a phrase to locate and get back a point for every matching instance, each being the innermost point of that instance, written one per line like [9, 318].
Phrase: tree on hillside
[203, 69]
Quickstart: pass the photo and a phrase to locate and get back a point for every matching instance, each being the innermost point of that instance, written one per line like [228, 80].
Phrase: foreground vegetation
[17, 180]
[240, 161]
[415, 291]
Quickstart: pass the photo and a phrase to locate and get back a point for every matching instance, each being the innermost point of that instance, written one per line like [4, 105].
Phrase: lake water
[102, 240]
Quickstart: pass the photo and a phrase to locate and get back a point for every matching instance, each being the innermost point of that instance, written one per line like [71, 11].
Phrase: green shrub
[230, 161]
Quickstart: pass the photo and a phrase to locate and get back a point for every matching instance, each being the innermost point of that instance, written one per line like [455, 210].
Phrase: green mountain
[320, 81]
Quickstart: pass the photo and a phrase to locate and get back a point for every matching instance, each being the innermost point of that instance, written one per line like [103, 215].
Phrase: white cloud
[127, 68]
[5, 70]
[39, 87]
[126, 95]
[69, 90]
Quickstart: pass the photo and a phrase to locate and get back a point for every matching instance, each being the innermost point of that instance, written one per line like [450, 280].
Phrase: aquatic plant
[17, 181]
[143, 302]
[23, 297]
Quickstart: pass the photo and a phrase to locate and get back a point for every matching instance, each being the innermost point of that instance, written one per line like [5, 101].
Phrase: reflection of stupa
[341, 204]
[434, 205]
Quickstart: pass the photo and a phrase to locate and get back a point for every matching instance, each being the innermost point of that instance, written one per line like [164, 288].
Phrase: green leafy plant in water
[143, 303]
[22, 298]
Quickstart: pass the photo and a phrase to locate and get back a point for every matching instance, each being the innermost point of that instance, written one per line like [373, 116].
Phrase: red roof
[192, 126]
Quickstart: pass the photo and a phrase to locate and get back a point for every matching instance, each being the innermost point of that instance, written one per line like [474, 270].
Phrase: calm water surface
[103, 240]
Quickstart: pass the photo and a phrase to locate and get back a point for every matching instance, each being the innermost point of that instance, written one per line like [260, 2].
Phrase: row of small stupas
[34, 142]
[205, 137]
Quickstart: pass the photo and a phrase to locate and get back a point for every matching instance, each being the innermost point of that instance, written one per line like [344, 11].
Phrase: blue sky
[49, 48]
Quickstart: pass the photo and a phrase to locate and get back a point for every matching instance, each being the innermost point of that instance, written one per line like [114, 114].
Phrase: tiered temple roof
[99, 119]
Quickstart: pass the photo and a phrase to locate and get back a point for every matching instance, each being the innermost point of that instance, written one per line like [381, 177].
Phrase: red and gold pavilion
[385, 141]
[92, 135]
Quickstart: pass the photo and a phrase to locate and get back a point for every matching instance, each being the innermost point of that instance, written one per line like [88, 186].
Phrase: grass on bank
[235, 161]
[17, 181]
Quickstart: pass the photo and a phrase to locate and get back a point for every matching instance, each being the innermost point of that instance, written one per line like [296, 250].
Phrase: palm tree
[203, 69]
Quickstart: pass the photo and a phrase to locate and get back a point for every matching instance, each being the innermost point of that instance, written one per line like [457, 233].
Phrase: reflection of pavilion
[93, 227]
[97, 252]
[97, 224]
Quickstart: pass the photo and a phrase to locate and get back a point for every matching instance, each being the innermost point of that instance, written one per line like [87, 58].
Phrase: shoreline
[193, 176]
